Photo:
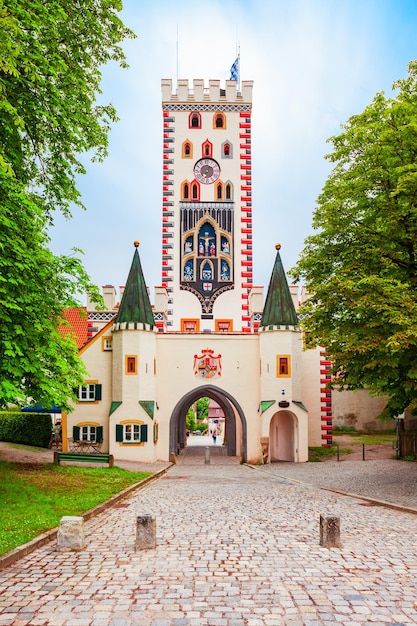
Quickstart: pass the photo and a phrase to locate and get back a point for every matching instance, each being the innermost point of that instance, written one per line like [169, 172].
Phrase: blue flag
[234, 70]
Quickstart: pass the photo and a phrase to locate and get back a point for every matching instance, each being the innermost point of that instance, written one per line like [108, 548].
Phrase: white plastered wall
[130, 389]
[98, 363]
[239, 378]
[283, 342]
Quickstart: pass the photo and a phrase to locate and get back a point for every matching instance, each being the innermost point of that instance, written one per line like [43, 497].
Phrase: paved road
[236, 546]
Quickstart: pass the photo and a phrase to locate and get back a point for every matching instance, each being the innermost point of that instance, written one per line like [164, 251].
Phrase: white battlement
[200, 93]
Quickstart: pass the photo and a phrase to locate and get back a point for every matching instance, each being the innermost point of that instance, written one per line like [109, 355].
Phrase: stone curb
[14, 555]
[388, 505]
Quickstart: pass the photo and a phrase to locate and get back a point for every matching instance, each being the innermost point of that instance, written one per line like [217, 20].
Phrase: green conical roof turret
[135, 306]
[279, 307]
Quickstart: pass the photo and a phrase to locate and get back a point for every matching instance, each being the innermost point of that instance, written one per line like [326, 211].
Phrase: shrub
[32, 429]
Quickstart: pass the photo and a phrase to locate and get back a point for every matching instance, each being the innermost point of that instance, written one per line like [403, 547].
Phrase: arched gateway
[283, 440]
[231, 408]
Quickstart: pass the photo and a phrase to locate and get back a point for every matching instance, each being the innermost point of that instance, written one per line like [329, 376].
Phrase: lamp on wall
[283, 403]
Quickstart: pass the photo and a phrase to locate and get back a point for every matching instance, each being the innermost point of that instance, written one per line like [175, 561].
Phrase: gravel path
[392, 481]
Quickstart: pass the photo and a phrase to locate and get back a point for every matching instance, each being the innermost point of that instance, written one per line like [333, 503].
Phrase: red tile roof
[77, 319]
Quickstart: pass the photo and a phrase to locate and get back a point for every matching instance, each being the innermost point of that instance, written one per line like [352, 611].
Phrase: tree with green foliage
[50, 59]
[190, 419]
[202, 405]
[360, 267]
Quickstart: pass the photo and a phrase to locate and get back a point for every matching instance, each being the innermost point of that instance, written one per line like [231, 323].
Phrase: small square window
[131, 365]
[283, 366]
[107, 344]
[190, 326]
[224, 326]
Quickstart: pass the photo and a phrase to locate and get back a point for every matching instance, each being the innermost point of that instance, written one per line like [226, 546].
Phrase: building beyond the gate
[210, 331]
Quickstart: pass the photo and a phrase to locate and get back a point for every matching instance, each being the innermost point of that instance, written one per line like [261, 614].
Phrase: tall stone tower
[207, 206]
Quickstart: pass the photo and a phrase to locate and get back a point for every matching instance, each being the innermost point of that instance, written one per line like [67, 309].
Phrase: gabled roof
[135, 306]
[279, 307]
[77, 319]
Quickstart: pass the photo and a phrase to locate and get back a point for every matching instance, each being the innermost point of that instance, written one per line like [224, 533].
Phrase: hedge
[32, 429]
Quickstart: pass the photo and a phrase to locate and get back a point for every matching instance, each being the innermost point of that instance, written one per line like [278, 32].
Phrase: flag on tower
[234, 70]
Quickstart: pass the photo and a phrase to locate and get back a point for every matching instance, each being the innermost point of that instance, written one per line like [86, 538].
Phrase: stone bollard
[207, 457]
[330, 531]
[70, 534]
[172, 458]
[145, 532]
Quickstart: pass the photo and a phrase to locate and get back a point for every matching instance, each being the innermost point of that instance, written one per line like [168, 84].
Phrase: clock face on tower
[206, 171]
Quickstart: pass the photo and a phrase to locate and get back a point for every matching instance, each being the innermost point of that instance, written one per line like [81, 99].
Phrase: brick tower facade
[207, 206]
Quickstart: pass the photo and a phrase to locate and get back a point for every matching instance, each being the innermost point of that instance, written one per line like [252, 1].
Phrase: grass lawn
[315, 455]
[355, 438]
[373, 439]
[34, 496]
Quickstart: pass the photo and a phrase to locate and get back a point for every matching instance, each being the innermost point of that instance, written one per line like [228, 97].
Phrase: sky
[314, 63]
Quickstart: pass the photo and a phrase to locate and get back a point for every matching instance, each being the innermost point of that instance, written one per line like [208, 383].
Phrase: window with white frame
[88, 433]
[131, 432]
[89, 392]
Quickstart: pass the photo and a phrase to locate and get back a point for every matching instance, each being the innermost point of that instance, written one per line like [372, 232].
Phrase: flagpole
[178, 57]
[238, 69]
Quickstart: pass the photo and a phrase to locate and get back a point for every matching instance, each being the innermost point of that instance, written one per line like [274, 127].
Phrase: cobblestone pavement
[236, 546]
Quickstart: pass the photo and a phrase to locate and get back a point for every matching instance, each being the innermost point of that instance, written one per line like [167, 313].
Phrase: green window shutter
[119, 432]
[144, 432]
[97, 395]
[76, 433]
[99, 434]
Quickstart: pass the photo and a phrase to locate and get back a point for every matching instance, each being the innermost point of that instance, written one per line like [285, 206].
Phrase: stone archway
[230, 407]
[283, 437]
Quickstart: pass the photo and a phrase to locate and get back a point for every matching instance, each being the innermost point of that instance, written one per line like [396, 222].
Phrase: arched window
[187, 150]
[219, 121]
[194, 121]
[228, 191]
[207, 149]
[194, 191]
[186, 191]
[227, 150]
[207, 271]
[219, 192]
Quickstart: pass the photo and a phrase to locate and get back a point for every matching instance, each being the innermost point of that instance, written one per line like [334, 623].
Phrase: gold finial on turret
[136, 243]
[277, 246]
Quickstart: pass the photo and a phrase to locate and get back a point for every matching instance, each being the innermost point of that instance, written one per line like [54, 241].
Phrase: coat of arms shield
[206, 365]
